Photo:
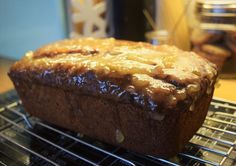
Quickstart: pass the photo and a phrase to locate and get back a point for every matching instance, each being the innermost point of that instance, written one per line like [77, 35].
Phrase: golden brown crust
[167, 75]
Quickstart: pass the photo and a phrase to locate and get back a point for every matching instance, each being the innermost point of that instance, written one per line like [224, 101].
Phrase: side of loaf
[150, 99]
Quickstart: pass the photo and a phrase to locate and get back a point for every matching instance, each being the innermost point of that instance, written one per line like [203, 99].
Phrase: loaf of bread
[215, 54]
[149, 99]
[230, 41]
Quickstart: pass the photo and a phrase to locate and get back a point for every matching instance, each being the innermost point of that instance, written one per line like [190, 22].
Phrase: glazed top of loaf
[150, 76]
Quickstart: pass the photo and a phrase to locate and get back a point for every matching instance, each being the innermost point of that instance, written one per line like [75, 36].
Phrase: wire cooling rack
[26, 140]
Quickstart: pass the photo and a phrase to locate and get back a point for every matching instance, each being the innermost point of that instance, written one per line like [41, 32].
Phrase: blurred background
[206, 27]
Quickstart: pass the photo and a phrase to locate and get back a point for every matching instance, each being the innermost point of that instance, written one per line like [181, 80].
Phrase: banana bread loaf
[150, 99]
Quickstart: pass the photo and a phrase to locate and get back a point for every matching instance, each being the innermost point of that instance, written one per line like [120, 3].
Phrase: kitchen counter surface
[5, 82]
[226, 88]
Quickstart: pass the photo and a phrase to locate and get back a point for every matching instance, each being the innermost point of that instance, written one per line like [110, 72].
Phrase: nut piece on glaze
[119, 136]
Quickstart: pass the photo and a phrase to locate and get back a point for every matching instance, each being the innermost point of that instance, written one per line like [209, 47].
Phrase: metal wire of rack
[26, 140]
